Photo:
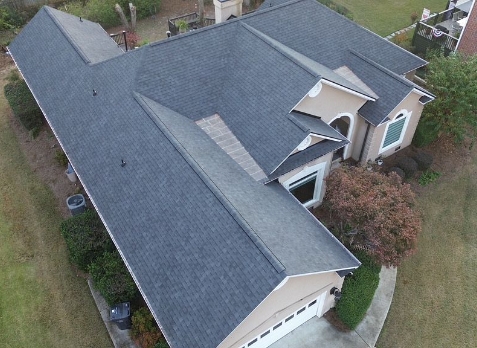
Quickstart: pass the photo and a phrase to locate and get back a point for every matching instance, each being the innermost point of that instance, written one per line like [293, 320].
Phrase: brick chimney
[468, 39]
[226, 8]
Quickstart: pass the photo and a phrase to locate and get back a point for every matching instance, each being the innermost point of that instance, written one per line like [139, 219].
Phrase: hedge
[358, 292]
[112, 279]
[23, 105]
[144, 328]
[86, 238]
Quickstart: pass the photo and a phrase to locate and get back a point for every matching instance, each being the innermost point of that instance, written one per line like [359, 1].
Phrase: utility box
[121, 315]
[76, 204]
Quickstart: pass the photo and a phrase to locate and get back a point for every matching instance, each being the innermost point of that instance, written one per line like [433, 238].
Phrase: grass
[433, 305]
[386, 17]
[42, 301]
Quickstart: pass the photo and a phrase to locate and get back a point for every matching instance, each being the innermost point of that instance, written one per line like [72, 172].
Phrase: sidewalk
[318, 332]
[120, 338]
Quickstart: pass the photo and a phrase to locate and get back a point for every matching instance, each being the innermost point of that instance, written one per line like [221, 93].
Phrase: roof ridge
[65, 32]
[276, 46]
[391, 73]
[254, 237]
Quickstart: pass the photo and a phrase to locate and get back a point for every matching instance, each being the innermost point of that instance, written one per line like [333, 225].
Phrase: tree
[453, 80]
[373, 212]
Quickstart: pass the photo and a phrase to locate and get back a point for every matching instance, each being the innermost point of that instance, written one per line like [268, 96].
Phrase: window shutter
[394, 132]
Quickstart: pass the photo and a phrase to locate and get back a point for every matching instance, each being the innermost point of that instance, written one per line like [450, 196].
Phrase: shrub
[102, 11]
[408, 165]
[424, 160]
[428, 177]
[112, 279]
[373, 212]
[86, 238]
[61, 158]
[144, 328]
[358, 292]
[398, 171]
[161, 344]
[23, 104]
[425, 134]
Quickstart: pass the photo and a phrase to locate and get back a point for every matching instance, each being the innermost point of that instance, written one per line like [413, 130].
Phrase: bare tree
[132, 9]
[122, 17]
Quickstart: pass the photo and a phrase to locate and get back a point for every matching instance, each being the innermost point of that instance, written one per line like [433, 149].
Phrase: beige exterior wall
[376, 134]
[331, 103]
[294, 294]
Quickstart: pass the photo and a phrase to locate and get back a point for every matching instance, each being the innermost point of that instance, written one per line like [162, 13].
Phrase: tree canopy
[453, 80]
[373, 212]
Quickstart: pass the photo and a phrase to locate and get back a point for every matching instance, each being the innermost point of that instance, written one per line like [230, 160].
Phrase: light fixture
[336, 292]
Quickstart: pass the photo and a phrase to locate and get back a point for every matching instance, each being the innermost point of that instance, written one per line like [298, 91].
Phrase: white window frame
[407, 116]
[296, 181]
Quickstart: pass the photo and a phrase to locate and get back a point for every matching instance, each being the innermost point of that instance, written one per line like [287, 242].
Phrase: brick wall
[468, 40]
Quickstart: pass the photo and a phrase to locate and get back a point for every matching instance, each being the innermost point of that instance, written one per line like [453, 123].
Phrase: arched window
[395, 130]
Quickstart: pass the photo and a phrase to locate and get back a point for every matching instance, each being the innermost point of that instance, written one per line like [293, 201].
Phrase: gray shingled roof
[392, 88]
[317, 126]
[326, 39]
[203, 254]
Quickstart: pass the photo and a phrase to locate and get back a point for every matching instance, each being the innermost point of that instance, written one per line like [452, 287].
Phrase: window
[306, 185]
[395, 130]
[265, 334]
[252, 342]
[301, 310]
[277, 326]
[312, 303]
[289, 318]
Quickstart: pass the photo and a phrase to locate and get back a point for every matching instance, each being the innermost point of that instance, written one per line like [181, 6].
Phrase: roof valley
[261, 246]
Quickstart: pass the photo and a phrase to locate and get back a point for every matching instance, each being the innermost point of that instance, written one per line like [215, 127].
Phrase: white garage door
[288, 324]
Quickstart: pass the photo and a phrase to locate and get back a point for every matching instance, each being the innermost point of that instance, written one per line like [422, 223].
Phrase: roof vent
[94, 93]
[123, 164]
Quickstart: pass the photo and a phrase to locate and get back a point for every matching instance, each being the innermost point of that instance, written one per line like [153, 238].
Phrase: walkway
[318, 332]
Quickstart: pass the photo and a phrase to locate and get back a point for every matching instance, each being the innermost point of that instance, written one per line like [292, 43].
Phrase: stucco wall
[294, 294]
[332, 102]
[376, 134]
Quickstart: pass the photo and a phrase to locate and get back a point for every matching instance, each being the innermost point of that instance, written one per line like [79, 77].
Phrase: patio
[441, 31]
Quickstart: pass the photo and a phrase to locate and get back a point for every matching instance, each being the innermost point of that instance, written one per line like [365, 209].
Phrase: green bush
[408, 165]
[424, 160]
[23, 104]
[161, 344]
[144, 329]
[112, 279]
[61, 158]
[86, 238]
[425, 134]
[358, 292]
[428, 177]
[102, 11]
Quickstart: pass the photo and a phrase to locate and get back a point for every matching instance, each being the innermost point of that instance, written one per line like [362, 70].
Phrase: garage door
[288, 324]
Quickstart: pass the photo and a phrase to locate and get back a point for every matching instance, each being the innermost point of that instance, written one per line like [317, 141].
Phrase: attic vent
[304, 144]
[315, 90]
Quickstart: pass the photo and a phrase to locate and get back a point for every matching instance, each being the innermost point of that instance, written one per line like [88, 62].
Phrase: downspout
[364, 141]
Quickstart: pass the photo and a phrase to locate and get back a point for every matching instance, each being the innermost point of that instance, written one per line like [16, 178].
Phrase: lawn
[387, 16]
[43, 303]
[433, 304]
